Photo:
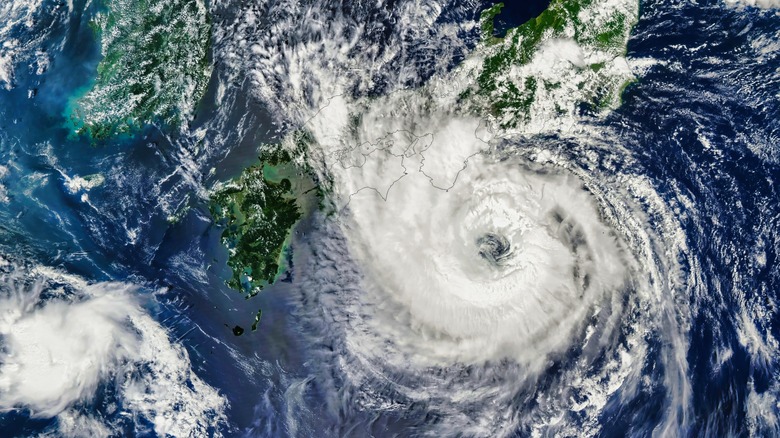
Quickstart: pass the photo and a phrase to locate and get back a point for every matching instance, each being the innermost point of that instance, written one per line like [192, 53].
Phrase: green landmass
[487, 20]
[238, 330]
[510, 100]
[155, 67]
[259, 209]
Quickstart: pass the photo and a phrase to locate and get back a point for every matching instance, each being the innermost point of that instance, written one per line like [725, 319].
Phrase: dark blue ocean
[149, 224]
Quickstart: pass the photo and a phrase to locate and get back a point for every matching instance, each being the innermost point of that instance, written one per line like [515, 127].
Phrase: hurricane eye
[494, 248]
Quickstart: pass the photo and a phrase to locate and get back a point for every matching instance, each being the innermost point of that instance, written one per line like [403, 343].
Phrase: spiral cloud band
[475, 278]
[506, 262]
[515, 269]
[520, 281]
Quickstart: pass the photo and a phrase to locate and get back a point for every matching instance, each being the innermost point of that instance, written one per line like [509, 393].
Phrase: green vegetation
[257, 319]
[259, 210]
[510, 98]
[487, 23]
[613, 34]
[155, 66]
[519, 101]
[238, 330]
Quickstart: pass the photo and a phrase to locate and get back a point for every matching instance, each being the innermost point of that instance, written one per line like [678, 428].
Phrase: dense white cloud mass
[503, 264]
[508, 279]
[463, 297]
[21, 32]
[57, 352]
[763, 4]
[63, 338]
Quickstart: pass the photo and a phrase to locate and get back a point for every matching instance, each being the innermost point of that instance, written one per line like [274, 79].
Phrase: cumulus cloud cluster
[63, 339]
[20, 35]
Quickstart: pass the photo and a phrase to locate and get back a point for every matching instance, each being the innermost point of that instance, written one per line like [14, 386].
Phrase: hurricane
[494, 280]
[538, 271]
